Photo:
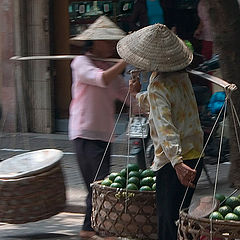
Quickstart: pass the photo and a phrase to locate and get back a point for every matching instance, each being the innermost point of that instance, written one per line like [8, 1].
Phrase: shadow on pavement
[36, 236]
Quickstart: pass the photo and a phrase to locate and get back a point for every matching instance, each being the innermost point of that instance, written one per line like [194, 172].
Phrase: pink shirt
[92, 107]
[206, 33]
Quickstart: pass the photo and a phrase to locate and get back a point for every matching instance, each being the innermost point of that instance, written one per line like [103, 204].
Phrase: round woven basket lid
[29, 164]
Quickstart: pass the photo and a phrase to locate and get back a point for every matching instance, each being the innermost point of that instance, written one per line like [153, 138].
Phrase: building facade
[35, 95]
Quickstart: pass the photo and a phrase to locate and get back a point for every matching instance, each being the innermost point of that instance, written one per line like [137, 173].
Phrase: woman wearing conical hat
[96, 84]
[173, 117]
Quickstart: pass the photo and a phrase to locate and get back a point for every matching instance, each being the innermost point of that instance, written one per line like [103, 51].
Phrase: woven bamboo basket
[124, 214]
[32, 198]
[191, 228]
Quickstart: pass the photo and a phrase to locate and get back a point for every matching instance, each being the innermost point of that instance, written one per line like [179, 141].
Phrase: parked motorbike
[209, 65]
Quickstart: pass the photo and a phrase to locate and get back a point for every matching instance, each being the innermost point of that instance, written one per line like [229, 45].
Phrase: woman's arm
[113, 72]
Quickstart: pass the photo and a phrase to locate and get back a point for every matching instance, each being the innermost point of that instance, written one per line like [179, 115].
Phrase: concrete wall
[26, 87]
[38, 43]
[8, 86]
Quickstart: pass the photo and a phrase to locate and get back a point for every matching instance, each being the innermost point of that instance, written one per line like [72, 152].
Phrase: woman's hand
[134, 84]
[186, 175]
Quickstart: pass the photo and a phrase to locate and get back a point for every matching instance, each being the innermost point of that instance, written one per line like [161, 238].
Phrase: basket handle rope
[12, 146]
[235, 117]
[134, 74]
[204, 147]
[111, 136]
[26, 140]
[228, 90]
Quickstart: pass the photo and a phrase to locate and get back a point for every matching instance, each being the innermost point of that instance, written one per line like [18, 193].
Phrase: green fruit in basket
[232, 202]
[216, 216]
[232, 216]
[145, 188]
[154, 178]
[134, 174]
[106, 182]
[220, 197]
[131, 186]
[147, 181]
[121, 180]
[123, 172]
[116, 185]
[132, 167]
[134, 180]
[113, 175]
[224, 210]
[154, 187]
[236, 210]
[147, 173]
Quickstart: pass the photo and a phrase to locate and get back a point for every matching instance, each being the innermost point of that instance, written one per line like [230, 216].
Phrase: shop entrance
[71, 17]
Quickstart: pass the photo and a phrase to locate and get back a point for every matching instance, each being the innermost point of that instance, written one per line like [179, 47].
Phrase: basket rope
[228, 92]
[36, 197]
[201, 154]
[134, 75]
[128, 149]
[235, 117]
[111, 136]
[218, 165]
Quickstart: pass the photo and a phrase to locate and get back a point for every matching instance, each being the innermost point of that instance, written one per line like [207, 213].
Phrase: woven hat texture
[155, 48]
[102, 29]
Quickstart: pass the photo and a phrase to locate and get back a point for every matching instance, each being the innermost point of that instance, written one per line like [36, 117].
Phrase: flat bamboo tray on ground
[191, 228]
[124, 214]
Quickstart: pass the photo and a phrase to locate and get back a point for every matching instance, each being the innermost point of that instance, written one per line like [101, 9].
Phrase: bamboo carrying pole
[220, 82]
[57, 57]
[213, 79]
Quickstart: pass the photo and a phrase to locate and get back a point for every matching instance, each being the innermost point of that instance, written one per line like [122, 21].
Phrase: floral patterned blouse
[173, 118]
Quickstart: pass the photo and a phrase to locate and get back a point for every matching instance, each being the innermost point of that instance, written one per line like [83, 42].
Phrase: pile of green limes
[132, 178]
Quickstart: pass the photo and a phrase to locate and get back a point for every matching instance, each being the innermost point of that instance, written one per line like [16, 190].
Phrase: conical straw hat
[155, 48]
[102, 29]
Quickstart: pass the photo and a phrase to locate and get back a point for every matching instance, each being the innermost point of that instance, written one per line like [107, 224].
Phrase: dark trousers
[89, 156]
[170, 193]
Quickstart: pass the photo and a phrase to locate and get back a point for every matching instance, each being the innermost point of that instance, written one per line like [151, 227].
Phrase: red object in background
[207, 49]
[207, 53]
[206, 238]
[136, 143]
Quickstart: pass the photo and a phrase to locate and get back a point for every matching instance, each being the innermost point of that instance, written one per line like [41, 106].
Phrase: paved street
[67, 224]
[64, 226]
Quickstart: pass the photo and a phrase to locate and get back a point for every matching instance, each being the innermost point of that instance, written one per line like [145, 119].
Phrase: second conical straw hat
[155, 48]
[102, 29]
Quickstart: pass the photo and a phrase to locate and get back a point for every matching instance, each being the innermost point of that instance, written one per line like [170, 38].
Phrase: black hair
[87, 46]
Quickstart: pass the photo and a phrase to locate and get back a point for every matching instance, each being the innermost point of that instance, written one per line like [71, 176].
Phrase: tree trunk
[225, 21]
